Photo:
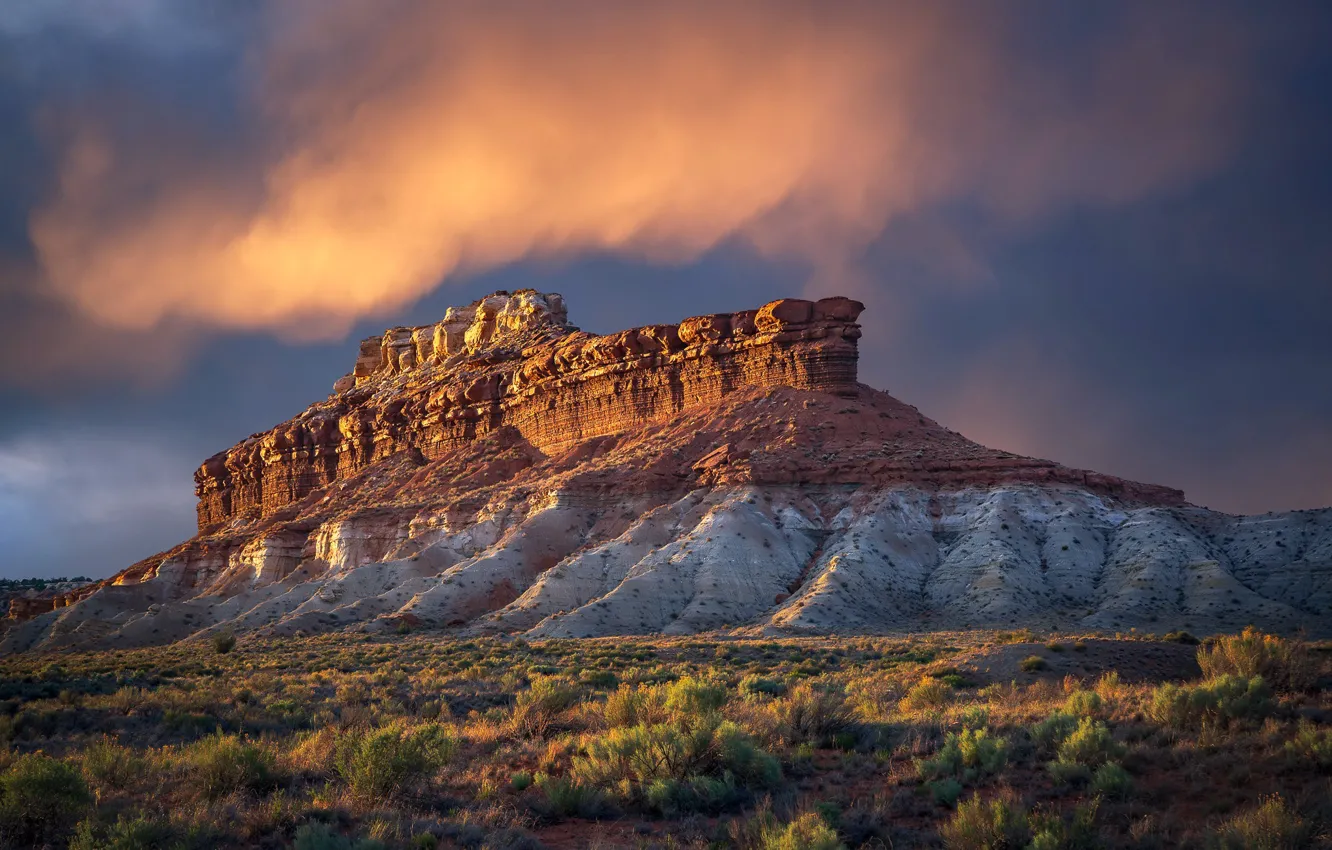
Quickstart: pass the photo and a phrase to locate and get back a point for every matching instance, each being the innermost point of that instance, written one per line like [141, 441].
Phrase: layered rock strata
[504, 472]
[513, 361]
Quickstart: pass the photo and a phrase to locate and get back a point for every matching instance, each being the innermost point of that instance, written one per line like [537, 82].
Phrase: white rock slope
[772, 559]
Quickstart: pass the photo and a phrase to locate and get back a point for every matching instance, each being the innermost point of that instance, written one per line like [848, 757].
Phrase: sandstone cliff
[503, 471]
[513, 361]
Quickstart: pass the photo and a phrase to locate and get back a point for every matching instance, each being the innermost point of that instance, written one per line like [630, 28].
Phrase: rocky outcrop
[504, 472]
[513, 361]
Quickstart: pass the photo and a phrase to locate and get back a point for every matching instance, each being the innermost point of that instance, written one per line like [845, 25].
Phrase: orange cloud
[405, 142]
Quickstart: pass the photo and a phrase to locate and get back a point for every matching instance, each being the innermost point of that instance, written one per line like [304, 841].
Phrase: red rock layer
[511, 361]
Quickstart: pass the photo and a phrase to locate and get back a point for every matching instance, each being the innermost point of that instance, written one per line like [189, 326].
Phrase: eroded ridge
[513, 360]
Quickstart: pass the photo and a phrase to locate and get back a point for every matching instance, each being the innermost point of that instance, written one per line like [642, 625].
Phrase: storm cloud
[1093, 232]
[387, 146]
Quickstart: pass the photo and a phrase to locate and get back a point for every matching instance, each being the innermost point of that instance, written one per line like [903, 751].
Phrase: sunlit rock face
[503, 472]
[514, 361]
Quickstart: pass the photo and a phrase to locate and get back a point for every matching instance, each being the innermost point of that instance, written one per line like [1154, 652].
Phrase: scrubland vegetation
[422, 741]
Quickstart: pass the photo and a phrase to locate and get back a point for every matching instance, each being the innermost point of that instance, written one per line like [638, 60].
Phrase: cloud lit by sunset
[392, 147]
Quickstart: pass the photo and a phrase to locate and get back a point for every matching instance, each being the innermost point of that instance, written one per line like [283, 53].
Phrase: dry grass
[423, 740]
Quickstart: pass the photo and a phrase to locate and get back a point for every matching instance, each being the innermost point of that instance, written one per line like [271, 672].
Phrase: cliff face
[503, 471]
[514, 361]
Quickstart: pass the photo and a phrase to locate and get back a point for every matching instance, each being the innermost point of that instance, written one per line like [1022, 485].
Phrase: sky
[1099, 232]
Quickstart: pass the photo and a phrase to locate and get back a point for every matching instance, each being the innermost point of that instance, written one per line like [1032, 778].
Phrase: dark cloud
[1092, 232]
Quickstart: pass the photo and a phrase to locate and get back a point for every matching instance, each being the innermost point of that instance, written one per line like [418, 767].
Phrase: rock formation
[513, 361]
[503, 471]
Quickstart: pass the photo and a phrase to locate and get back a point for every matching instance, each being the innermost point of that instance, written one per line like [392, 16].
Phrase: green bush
[221, 764]
[999, 824]
[1272, 825]
[108, 764]
[224, 642]
[40, 798]
[565, 797]
[598, 678]
[1033, 663]
[1225, 699]
[807, 832]
[1083, 703]
[520, 780]
[1086, 746]
[1312, 745]
[1049, 733]
[537, 708]
[1112, 781]
[929, 693]
[321, 836]
[1068, 772]
[945, 791]
[754, 686]
[1283, 664]
[694, 794]
[1051, 831]
[968, 755]
[136, 833]
[690, 698]
[635, 705]
[632, 759]
[1089, 743]
[381, 764]
[813, 714]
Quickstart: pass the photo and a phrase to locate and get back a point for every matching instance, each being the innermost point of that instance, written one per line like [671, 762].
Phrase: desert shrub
[1089, 743]
[999, 824]
[221, 764]
[813, 714]
[314, 751]
[1111, 780]
[40, 798]
[1087, 746]
[1224, 699]
[1272, 825]
[380, 764]
[224, 642]
[1109, 687]
[1312, 745]
[321, 836]
[1283, 664]
[754, 686]
[1051, 831]
[1083, 703]
[635, 705]
[691, 698]
[1068, 772]
[806, 832]
[968, 755]
[565, 797]
[109, 765]
[1033, 663]
[598, 678]
[695, 794]
[1181, 636]
[136, 833]
[929, 693]
[1049, 733]
[520, 780]
[537, 708]
[945, 791]
[632, 759]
